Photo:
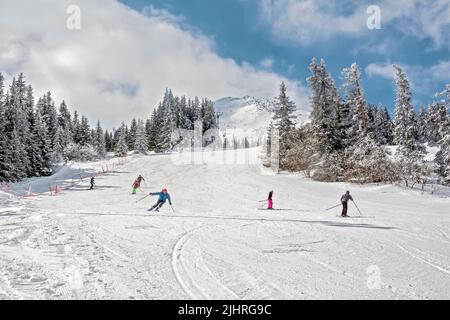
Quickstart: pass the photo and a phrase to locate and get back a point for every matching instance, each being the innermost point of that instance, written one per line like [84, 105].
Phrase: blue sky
[241, 32]
[125, 53]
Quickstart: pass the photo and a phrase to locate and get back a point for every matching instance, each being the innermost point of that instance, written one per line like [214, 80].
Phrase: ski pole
[333, 207]
[172, 209]
[360, 214]
[143, 198]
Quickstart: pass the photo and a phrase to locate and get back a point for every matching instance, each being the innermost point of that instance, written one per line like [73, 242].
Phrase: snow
[103, 244]
[245, 117]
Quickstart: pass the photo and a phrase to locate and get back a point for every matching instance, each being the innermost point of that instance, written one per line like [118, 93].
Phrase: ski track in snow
[101, 244]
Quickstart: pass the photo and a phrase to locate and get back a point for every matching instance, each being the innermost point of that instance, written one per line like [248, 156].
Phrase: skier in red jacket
[137, 183]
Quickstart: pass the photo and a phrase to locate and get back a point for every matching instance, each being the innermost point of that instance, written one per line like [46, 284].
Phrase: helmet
[348, 192]
[164, 190]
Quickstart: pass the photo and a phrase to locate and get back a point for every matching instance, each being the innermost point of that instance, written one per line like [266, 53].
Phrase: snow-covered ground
[101, 244]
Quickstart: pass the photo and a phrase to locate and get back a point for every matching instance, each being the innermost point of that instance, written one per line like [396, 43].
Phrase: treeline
[347, 139]
[164, 129]
[34, 137]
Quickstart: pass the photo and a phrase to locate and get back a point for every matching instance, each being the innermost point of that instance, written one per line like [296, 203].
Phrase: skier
[92, 183]
[344, 200]
[163, 197]
[270, 201]
[137, 183]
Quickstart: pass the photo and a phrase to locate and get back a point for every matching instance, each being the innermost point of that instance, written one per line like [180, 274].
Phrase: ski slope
[101, 244]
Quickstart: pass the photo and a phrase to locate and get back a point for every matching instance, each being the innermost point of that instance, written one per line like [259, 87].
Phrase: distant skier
[163, 197]
[92, 183]
[270, 201]
[137, 183]
[344, 200]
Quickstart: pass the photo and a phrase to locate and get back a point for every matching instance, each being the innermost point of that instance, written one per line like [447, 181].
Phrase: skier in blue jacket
[163, 197]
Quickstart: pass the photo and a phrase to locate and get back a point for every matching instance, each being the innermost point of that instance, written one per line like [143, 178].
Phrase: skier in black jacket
[344, 200]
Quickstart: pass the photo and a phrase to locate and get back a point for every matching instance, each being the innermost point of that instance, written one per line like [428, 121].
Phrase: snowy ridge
[245, 117]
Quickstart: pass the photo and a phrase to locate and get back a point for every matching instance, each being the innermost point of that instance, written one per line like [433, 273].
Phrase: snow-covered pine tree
[284, 116]
[131, 139]
[325, 105]
[354, 97]
[65, 123]
[436, 120]
[84, 132]
[75, 127]
[6, 165]
[121, 147]
[18, 103]
[377, 127]
[405, 130]
[368, 162]
[185, 122]
[443, 156]
[109, 142]
[388, 127]
[141, 139]
[153, 129]
[168, 123]
[13, 117]
[371, 114]
[422, 116]
[443, 160]
[30, 139]
[412, 166]
[42, 160]
[49, 115]
[208, 115]
[99, 141]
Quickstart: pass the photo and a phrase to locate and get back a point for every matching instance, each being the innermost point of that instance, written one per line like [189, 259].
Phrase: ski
[283, 209]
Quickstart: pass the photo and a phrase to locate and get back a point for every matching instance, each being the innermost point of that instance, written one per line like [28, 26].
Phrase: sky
[124, 54]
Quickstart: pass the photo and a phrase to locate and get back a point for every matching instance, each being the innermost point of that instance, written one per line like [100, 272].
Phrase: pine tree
[99, 141]
[435, 123]
[324, 116]
[42, 157]
[109, 142]
[84, 132]
[411, 162]
[368, 162]
[76, 127]
[47, 110]
[65, 123]
[422, 117]
[141, 140]
[131, 138]
[405, 131]
[121, 147]
[284, 113]
[355, 98]
[6, 165]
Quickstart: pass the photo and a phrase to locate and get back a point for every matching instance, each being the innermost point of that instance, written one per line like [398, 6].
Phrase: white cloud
[267, 63]
[423, 79]
[307, 21]
[119, 63]
[384, 70]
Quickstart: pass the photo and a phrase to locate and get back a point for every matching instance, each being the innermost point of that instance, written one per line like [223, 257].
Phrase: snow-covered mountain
[246, 116]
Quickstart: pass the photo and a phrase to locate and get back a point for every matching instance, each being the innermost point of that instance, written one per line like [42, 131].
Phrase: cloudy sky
[127, 52]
